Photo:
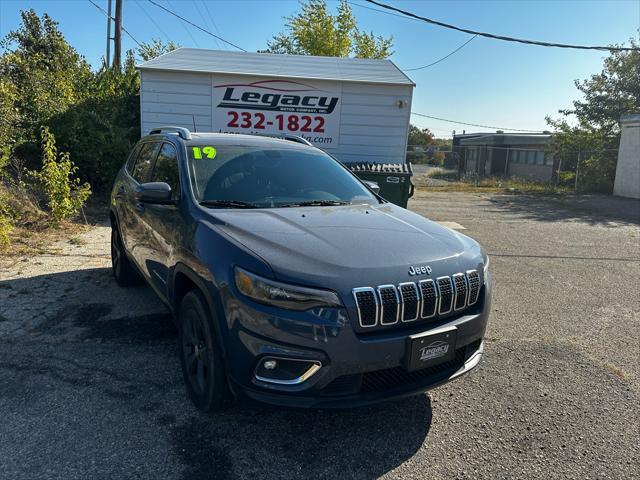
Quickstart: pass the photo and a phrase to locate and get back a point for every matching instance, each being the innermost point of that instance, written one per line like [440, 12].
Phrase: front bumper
[357, 368]
[421, 383]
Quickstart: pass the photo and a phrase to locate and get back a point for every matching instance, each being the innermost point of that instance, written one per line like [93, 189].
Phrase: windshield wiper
[228, 204]
[315, 203]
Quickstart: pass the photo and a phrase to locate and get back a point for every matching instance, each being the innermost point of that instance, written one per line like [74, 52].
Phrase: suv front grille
[387, 304]
[445, 289]
[367, 306]
[429, 298]
[461, 291]
[410, 300]
[474, 286]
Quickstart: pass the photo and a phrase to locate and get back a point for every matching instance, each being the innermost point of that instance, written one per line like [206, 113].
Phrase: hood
[351, 244]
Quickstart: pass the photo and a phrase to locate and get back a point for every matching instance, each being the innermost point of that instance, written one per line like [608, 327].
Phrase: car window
[271, 176]
[132, 158]
[166, 169]
[144, 161]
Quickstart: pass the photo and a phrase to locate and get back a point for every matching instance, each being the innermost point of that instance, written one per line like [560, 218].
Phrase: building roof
[276, 65]
[470, 139]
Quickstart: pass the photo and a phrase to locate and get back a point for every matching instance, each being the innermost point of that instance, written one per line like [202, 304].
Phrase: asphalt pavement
[90, 384]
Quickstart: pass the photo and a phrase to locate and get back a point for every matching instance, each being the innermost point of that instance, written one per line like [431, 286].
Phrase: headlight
[282, 295]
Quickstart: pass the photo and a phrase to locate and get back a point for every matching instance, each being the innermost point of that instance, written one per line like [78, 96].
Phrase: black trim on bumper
[418, 384]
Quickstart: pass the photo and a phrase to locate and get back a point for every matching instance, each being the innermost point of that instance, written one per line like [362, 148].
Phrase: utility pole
[117, 38]
[107, 61]
[577, 170]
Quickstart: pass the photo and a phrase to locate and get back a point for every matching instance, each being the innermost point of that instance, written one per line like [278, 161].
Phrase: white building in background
[627, 183]
[356, 109]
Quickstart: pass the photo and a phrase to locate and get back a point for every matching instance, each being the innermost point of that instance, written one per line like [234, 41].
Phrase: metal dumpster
[394, 179]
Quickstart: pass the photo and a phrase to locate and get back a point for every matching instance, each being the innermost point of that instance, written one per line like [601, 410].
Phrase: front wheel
[123, 271]
[202, 363]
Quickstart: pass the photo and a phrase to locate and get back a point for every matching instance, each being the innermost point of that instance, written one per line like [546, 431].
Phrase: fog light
[286, 371]
[270, 364]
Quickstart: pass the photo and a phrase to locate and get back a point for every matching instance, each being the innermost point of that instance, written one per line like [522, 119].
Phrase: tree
[100, 131]
[417, 146]
[95, 116]
[420, 136]
[591, 128]
[64, 192]
[40, 76]
[155, 48]
[315, 31]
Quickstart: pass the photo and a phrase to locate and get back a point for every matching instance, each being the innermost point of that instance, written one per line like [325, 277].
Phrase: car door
[136, 240]
[124, 183]
[163, 224]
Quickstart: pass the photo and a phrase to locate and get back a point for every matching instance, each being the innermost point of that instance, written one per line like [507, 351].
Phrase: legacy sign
[254, 105]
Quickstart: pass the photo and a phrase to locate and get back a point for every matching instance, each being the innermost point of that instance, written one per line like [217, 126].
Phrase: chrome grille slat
[409, 301]
[367, 306]
[445, 291]
[389, 304]
[429, 295]
[460, 291]
[473, 280]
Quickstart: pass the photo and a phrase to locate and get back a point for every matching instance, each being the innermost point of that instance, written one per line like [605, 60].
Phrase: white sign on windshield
[244, 104]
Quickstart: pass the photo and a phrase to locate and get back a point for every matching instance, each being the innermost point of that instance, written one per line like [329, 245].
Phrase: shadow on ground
[600, 210]
[361, 443]
[98, 360]
[82, 305]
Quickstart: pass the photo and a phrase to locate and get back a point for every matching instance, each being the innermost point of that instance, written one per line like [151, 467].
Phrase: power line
[205, 21]
[141, 7]
[475, 124]
[381, 11]
[213, 22]
[501, 37]
[194, 25]
[441, 59]
[104, 12]
[193, 39]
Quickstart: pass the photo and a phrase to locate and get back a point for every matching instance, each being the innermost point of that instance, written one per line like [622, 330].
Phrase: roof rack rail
[286, 136]
[181, 131]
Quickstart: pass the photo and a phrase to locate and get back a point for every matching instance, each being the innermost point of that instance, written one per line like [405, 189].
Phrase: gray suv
[290, 280]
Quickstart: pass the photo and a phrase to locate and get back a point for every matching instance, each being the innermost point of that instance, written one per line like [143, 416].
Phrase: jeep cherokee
[290, 280]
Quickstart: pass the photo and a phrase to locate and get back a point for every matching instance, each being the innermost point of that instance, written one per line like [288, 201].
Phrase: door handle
[120, 193]
[139, 207]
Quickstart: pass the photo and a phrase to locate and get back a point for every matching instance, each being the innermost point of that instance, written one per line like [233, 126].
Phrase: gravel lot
[90, 385]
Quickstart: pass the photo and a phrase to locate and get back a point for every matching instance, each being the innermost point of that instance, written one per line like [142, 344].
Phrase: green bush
[65, 195]
[597, 173]
[6, 221]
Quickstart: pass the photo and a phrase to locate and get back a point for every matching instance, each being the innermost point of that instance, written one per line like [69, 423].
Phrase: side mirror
[154, 192]
[373, 186]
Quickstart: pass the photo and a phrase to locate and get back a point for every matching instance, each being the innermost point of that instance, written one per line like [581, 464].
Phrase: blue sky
[487, 82]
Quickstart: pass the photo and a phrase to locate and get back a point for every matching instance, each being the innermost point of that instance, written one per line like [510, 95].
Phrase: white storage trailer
[355, 109]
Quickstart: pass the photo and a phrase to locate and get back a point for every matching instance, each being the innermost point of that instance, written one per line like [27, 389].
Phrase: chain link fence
[578, 170]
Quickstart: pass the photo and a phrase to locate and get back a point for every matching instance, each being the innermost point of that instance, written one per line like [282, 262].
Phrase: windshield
[244, 176]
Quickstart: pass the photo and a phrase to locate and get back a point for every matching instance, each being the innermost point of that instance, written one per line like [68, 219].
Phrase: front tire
[123, 271]
[202, 363]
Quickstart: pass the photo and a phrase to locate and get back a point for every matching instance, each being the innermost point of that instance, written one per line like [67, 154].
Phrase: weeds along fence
[580, 170]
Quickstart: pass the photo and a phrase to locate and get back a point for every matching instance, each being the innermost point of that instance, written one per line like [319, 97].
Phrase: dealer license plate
[431, 348]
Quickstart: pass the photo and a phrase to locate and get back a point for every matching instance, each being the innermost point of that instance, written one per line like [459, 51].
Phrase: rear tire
[123, 271]
[202, 364]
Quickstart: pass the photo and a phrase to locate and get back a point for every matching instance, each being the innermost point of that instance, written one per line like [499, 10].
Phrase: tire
[124, 272]
[202, 364]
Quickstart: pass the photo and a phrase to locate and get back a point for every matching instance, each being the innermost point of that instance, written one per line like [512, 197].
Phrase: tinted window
[132, 158]
[144, 161]
[166, 169]
[271, 177]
